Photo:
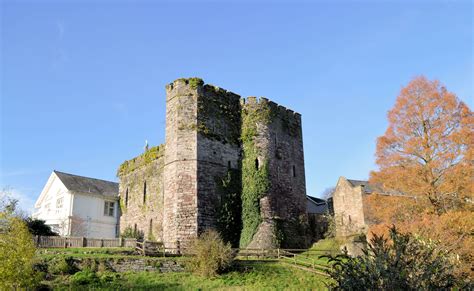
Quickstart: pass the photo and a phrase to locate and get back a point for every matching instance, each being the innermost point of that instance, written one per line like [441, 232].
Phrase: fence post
[84, 242]
[101, 243]
[120, 241]
[278, 253]
[65, 242]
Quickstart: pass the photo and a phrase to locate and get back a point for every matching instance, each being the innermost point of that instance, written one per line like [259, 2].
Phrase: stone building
[348, 204]
[231, 164]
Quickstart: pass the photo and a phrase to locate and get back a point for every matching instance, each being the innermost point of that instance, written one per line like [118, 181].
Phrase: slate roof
[316, 205]
[88, 185]
[316, 200]
[365, 185]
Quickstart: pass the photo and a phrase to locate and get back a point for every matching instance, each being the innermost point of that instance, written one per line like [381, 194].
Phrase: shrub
[211, 254]
[404, 262]
[39, 227]
[17, 252]
[129, 232]
[84, 277]
[62, 266]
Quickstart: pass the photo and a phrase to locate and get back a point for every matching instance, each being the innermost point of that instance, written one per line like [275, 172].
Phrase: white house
[79, 206]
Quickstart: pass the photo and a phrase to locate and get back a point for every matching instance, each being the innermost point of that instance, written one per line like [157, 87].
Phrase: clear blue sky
[82, 84]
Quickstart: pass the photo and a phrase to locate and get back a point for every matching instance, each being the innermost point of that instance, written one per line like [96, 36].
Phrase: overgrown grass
[97, 253]
[245, 275]
[86, 250]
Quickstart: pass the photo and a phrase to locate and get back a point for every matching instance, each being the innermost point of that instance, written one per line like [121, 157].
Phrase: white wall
[47, 209]
[89, 218]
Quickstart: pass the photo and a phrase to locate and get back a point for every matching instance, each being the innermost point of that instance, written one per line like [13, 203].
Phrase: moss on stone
[144, 159]
[255, 182]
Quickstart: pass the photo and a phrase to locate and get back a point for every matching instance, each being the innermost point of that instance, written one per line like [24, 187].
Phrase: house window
[144, 192]
[59, 202]
[109, 208]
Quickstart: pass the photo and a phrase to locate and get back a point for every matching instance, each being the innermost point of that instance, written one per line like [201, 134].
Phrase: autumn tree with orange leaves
[427, 148]
[425, 159]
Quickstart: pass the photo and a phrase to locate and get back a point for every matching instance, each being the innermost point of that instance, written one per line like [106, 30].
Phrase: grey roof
[365, 185]
[88, 185]
[316, 199]
[316, 205]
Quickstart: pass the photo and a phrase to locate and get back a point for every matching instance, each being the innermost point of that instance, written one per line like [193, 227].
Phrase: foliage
[9, 205]
[39, 227]
[193, 82]
[218, 116]
[255, 182]
[452, 229]
[244, 275]
[210, 254]
[229, 212]
[62, 266]
[144, 159]
[404, 262]
[328, 193]
[129, 232]
[427, 149]
[84, 277]
[331, 225]
[17, 253]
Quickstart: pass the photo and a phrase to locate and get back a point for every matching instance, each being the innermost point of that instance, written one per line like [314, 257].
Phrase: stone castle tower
[229, 164]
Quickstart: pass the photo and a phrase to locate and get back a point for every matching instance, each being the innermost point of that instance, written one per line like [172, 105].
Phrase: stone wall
[180, 171]
[278, 146]
[141, 194]
[232, 165]
[348, 209]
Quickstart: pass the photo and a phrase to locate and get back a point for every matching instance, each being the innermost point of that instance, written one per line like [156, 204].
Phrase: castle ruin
[231, 164]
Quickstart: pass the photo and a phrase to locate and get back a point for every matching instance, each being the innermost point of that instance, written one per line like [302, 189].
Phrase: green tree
[39, 227]
[17, 252]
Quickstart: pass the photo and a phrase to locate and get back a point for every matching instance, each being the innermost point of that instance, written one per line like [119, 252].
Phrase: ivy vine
[255, 182]
[229, 222]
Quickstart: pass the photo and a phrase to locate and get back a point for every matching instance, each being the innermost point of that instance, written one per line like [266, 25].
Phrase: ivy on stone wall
[229, 221]
[218, 115]
[144, 159]
[255, 182]
[123, 207]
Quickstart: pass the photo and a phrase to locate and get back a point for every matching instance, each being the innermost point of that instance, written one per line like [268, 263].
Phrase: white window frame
[109, 208]
[60, 202]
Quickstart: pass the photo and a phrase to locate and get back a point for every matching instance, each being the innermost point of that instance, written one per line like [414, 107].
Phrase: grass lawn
[245, 275]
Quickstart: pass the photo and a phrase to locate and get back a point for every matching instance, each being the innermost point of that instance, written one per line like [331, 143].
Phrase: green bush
[17, 253]
[62, 266]
[84, 277]
[129, 232]
[211, 254]
[404, 262]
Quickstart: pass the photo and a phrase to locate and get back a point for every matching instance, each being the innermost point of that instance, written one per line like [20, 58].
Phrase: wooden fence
[83, 242]
[302, 258]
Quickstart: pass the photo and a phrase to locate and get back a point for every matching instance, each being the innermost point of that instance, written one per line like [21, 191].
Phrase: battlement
[220, 151]
[191, 86]
[276, 109]
[144, 159]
